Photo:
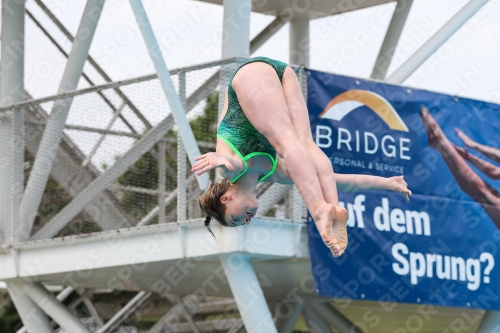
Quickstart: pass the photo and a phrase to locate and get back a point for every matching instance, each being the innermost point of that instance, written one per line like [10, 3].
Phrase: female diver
[264, 135]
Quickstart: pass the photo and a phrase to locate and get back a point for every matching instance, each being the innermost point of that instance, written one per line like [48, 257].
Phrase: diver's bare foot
[340, 228]
[324, 222]
[331, 224]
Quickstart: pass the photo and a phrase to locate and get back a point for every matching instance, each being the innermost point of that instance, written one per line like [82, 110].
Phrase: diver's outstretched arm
[350, 182]
[353, 183]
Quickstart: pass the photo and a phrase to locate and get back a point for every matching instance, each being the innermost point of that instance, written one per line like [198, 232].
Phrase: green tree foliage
[144, 173]
[205, 125]
[9, 319]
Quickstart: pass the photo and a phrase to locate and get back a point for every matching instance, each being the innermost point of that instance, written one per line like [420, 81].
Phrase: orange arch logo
[350, 100]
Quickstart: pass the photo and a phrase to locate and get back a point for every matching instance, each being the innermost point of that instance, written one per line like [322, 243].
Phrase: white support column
[490, 323]
[335, 318]
[299, 55]
[211, 83]
[236, 28]
[173, 99]
[313, 321]
[34, 319]
[247, 293]
[286, 318]
[299, 41]
[12, 121]
[55, 125]
[60, 297]
[438, 39]
[235, 40]
[58, 312]
[391, 39]
[181, 159]
[162, 170]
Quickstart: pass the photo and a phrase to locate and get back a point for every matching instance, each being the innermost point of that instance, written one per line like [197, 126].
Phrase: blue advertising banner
[443, 246]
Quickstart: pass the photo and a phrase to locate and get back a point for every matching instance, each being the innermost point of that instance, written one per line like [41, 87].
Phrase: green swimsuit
[237, 131]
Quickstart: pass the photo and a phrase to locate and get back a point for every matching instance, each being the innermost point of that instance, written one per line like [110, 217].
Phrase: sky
[189, 32]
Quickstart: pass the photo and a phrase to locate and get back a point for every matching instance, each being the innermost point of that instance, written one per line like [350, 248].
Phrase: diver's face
[240, 207]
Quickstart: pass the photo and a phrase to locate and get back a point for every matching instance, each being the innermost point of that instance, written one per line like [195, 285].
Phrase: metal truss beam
[178, 112]
[268, 32]
[84, 294]
[62, 256]
[60, 297]
[117, 133]
[55, 125]
[335, 318]
[114, 84]
[34, 319]
[173, 314]
[206, 326]
[432, 45]
[391, 39]
[85, 76]
[285, 319]
[250, 299]
[210, 307]
[71, 176]
[181, 160]
[91, 129]
[90, 307]
[46, 301]
[126, 311]
[193, 326]
[490, 323]
[313, 321]
[12, 122]
[239, 327]
[105, 180]
[168, 199]
[97, 68]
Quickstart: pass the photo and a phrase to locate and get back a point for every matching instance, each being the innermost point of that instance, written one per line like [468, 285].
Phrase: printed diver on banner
[456, 159]
[264, 135]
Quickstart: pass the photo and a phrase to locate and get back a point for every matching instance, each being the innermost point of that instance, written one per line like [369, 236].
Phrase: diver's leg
[261, 96]
[300, 120]
[299, 116]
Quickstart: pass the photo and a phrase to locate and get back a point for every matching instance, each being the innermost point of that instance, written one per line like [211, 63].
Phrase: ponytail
[207, 224]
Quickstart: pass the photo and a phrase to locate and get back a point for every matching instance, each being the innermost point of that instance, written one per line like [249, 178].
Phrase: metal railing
[163, 191]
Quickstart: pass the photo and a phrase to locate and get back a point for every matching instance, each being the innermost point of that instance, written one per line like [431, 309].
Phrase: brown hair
[212, 206]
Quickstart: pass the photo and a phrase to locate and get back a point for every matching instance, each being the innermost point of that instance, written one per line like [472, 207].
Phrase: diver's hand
[210, 161]
[398, 184]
